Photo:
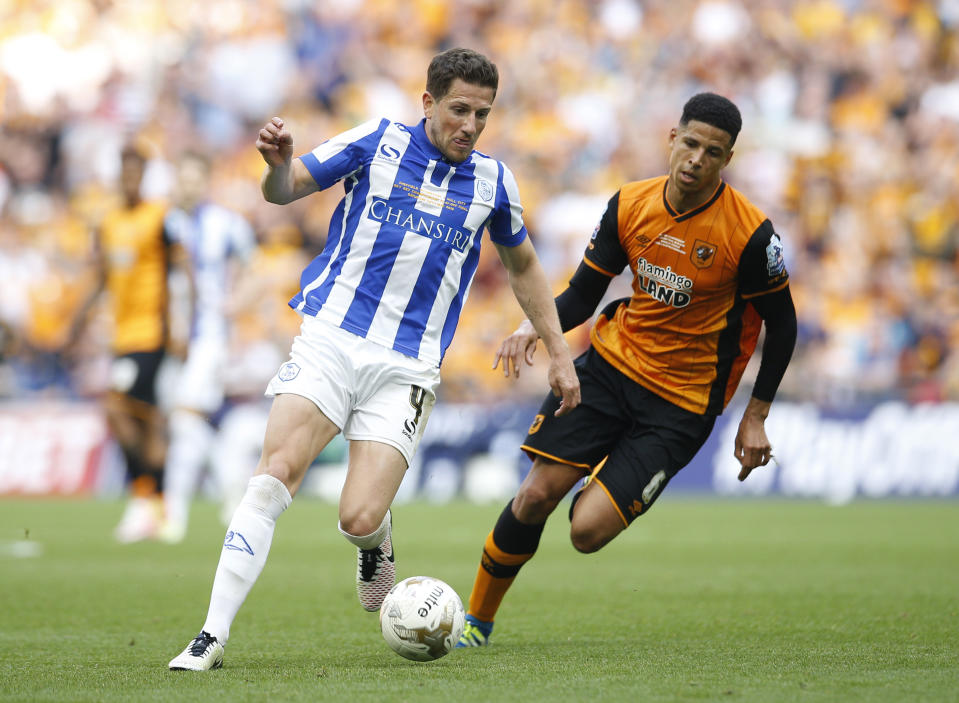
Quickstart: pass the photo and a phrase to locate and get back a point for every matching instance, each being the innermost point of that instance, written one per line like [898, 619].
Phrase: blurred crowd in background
[850, 145]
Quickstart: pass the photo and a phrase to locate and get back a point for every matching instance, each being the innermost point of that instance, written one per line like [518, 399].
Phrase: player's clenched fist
[275, 143]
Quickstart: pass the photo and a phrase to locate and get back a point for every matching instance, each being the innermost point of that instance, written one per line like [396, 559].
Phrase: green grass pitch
[701, 600]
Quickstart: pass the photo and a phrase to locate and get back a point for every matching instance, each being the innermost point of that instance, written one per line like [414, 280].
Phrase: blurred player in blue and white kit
[380, 306]
[218, 241]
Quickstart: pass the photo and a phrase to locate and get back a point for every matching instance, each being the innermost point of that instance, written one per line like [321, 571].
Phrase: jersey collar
[695, 211]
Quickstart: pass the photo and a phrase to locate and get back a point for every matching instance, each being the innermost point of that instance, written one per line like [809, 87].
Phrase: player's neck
[684, 202]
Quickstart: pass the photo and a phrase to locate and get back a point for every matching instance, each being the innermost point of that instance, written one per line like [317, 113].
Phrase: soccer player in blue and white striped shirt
[380, 306]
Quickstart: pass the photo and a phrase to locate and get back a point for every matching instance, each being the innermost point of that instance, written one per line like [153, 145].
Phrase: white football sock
[245, 550]
[190, 439]
[372, 540]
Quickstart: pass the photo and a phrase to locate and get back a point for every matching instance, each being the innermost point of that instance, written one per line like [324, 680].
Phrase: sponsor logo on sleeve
[592, 237]
[775, 264]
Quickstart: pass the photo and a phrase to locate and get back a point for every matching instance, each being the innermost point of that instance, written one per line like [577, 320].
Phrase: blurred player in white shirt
[217, 240]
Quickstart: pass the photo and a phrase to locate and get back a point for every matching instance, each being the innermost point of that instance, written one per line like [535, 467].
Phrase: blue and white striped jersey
[404, 242]
[212, 235]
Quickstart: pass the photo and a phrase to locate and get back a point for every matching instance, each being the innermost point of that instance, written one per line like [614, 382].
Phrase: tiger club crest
[702, 254]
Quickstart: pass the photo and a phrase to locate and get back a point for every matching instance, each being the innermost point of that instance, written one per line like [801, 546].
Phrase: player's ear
[428, 105]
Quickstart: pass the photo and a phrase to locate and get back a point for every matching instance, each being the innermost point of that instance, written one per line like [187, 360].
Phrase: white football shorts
[199, 385]
[369, 391]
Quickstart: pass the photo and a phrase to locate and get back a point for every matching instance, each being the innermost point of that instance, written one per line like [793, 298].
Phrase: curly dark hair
[465, 64]
[714, 110]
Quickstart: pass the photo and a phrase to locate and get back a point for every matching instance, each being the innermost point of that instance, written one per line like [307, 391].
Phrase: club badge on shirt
[288, 371]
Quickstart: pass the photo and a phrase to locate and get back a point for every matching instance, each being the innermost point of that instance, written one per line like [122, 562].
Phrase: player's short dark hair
[467, 65]
[714, 110]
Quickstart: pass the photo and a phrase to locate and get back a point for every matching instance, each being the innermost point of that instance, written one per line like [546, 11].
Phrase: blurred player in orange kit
[134, 258]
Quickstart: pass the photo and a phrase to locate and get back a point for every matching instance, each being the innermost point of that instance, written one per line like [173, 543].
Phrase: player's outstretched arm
[779, 316]
[574, 306]
[284, 179]
[529, 284]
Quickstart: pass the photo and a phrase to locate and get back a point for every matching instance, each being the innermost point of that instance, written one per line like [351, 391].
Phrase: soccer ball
[422, 618]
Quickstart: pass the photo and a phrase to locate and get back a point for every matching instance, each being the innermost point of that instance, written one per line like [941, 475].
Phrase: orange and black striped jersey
[136, 256]
[688, 329]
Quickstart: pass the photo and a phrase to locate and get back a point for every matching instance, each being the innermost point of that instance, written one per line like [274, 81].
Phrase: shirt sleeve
[605, 252]
[506, 224]
[577, 303]
[779, 316]
[762, 266]
[344, 154]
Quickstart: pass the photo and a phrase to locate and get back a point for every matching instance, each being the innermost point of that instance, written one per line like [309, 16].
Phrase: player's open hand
[519, 346]
[275, 143]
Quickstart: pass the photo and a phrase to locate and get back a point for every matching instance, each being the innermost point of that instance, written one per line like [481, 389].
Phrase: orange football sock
[495, 575]
[143, 486]
[510, 545]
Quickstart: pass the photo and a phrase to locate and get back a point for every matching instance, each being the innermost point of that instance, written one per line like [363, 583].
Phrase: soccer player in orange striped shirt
[708, 273]
[135, 255]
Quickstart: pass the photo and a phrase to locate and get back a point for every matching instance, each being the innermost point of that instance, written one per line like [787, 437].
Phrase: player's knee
[587, 540]
[282, 469]
[533, 503]
[591, 530]
[155, 451]
[359, 521]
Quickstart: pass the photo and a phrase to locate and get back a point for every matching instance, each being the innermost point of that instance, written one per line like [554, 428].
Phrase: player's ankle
[485, 626]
